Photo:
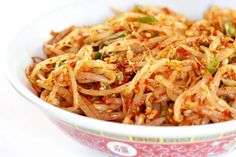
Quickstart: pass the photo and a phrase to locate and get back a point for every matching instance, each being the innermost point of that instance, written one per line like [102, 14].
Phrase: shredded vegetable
[147, 66]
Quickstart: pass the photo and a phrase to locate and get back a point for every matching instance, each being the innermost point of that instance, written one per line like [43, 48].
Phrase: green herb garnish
[98, 55]
[123, 35]
[90, 84]
[163, 111]
[230, 29]
[147, 19]
[155, 35]
[58, 64]
[212, 65]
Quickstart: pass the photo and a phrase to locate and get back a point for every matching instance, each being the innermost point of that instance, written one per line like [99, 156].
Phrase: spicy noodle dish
[147, 66]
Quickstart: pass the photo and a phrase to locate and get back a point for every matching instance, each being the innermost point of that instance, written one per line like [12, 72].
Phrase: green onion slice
[98, 55]
[123, 35]
[163, 111]
[212, 65]
[90, 84]
[147, 19]
[230, 29]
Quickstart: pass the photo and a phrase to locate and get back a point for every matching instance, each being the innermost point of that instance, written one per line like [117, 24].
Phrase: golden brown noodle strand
[215, 42]
[97, 36]
[170, 93]
[136, 78]
[104, 107]
[168, 84]
[109, 74]
[100, 64]
[181, 98]
[86, 77]
[208, 53]
[226, 91]
[186, 41]
[138, 97]
[67, 39]
[73, 86]
[148, 104]
[43, 84]
[168, 41]
[193, 51]
[92, 92]
[158, 28]
[65, 94]
[40, 75]
[111, 37]
[140, 119]
[52, 96]
[221, 104]
[225, 53]
[228, 82]
[51, 60]
[121, 45]
[85, 52]
[127, 120]
[44, 95]
[113, 116]
[55, 50]
[156, 122]
[219, 73]
[88, 109]
[59, 36]
[92, 64]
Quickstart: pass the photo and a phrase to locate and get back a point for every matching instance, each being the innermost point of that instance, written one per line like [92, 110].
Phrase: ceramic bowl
[107, 137]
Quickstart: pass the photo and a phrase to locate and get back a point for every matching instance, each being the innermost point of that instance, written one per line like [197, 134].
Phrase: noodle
[147, 66]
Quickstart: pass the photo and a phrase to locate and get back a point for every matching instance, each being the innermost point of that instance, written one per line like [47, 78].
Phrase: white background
[24, 129]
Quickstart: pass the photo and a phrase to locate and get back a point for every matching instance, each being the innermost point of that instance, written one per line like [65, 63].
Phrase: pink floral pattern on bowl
[115, 146]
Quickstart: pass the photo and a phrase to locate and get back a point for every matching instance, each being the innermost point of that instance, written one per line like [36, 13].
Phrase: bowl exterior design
[151, 147]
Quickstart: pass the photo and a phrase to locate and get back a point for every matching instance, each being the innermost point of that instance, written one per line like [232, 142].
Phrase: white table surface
[24, 129]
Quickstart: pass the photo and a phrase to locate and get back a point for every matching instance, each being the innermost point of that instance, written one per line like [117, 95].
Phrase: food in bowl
[147, 66]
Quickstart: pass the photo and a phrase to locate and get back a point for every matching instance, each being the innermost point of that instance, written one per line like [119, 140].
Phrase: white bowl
[105, 136]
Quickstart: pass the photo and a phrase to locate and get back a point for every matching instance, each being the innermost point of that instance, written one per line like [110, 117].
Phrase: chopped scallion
[163, 111]
[147, 19]
[90, 84]
[230, 29]
[212, 65]
[123, 35]
[155, 35]
[98, 55]
[58, 64]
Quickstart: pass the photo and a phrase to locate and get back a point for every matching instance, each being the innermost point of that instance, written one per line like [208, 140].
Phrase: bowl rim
[105, 126]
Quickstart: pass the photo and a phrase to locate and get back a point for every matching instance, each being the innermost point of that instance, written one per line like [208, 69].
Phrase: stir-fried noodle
[148, 66]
